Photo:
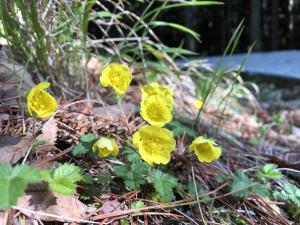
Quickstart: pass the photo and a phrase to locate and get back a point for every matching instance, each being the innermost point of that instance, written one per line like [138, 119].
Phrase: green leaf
[85, 145]
[62, 180]
[133, 175]
[200, 190]
[137, 205]
[178, 27]
[104, 179]
[80, 149]
[87, 138]
[179, 129]
[13, 182]
[269, 171]
[164, 184]
[243, 186]
[293, 193]
[132, 154]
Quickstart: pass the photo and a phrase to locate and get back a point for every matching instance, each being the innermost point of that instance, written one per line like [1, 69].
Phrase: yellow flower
[40, 102]
[156, 89]
[118, 76]
[155, 110]
[106, 146]
[155, 144]
[205, 149]
[198, 103]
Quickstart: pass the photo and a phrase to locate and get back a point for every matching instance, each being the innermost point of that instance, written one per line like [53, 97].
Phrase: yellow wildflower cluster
[154, 142]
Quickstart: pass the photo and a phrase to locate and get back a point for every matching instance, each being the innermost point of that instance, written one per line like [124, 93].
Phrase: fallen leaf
[13, 148]
[110, 206]
[49, 132]
[43, 201]
[115, 112]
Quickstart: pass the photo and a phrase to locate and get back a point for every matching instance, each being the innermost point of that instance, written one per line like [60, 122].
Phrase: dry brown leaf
[49, 132]
[65, 208]
[114, 112]
[110, 206]
[13, 148]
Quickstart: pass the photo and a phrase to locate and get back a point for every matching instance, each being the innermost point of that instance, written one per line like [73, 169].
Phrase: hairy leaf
[62, 180]
[164, 184]
[13, 182]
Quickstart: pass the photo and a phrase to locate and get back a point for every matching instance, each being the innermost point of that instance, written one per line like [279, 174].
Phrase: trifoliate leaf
[13, 182]
[163, 184]
[62, 180]
[179, 129]
[269, 171]
[85, 145]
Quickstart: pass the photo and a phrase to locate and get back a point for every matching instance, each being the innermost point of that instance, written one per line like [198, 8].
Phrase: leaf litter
[64, 130]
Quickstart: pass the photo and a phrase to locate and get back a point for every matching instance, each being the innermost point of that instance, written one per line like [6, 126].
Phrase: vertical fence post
[274, 25]
[255, 24]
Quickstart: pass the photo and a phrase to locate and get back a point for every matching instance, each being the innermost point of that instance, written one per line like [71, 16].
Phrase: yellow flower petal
[118, 76]
[161, 90]
[205, 149]
[198, 104]
[106, 146]
[155, 144]
[155, 111]
[41, 102]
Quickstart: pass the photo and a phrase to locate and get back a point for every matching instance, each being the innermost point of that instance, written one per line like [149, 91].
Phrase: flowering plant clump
[40, 102]
[106, 146]
[161, 90]
[205, 149]
[154, 143]
[118, 76]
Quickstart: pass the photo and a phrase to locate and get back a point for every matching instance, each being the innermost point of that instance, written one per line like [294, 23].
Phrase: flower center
[155, 111]
[38, 101]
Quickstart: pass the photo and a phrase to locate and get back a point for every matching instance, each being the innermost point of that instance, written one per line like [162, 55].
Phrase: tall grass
[52, 36]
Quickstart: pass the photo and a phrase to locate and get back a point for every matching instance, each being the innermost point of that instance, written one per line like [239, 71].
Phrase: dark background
[274, 24]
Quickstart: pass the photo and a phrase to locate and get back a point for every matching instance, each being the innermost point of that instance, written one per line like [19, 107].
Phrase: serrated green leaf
[164, 184]
[63, 179]
[104, 179]
[133, 175]
[85, 145]
[132, 154]
[13, 182]
[88, 137]
[179, 129]
[200, 190]
[79, 149]
[241, 185]
[269, 171]
[293, 193]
